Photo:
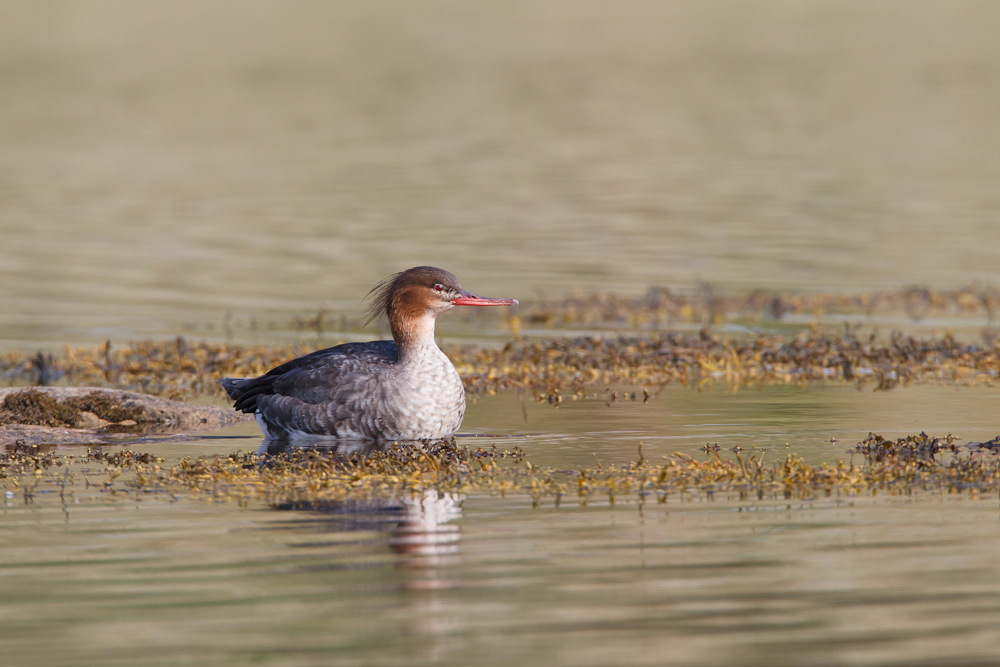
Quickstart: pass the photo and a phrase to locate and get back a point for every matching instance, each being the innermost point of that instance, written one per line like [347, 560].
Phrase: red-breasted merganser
[403, 389]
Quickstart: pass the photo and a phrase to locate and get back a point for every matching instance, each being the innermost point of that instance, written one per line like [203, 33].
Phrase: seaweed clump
[308, 478]
[921, 447]
[552, 367]
[565, 367]
[106, 408]
[34, 407]
[39, 408]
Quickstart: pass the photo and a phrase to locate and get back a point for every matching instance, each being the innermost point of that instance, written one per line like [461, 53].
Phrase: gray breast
[424, 400]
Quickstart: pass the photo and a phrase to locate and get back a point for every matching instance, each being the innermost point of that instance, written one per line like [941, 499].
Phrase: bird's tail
[232, 387]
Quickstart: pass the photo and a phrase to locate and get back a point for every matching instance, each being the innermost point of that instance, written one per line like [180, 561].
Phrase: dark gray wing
[314, 378]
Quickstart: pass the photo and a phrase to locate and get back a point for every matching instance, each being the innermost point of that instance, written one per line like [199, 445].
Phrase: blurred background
[167, 165]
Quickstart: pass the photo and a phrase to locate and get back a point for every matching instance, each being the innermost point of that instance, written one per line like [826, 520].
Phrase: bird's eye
[439, 288]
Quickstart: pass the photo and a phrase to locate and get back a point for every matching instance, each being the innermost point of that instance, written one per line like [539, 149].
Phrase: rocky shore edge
[94, 415]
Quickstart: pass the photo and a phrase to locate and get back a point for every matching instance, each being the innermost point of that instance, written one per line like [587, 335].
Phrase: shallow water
[776, 420]
[218, 169]
[869, 581]
[91, 578]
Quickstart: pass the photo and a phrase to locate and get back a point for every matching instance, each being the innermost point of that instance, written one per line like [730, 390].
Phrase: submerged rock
[67, 415]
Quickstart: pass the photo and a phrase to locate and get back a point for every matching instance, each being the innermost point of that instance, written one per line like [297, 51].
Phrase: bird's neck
[414, 336]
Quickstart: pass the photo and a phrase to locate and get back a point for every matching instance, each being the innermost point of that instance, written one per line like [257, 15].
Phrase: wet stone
[64, 415]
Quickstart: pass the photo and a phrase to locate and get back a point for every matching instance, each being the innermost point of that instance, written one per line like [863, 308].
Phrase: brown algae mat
[553, 368]
[571, 364]
[321, 479]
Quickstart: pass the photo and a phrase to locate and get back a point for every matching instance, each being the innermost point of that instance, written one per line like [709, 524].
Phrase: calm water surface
[164, 164]
[777, 420]
[215, 169]
[91, 580]
[851, 581]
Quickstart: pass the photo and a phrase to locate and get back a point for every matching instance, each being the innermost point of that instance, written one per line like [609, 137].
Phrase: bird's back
[315, 392]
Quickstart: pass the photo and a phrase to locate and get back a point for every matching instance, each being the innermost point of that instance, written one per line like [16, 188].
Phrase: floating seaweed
[911, 448]
[571, 365]
[556, 368]
[908, 465]
[990, 445]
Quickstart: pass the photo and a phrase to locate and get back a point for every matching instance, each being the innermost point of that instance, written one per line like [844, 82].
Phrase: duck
[404, 389]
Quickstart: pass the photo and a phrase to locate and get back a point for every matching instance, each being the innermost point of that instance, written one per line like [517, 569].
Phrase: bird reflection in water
[418, 524]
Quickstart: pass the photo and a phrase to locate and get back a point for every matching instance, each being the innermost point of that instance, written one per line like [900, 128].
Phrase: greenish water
[95, 579]
[777, 420]
[164, 164]
[216, 169]
[852, 581]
